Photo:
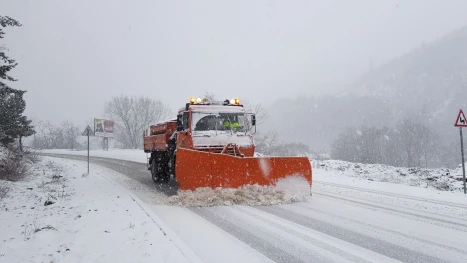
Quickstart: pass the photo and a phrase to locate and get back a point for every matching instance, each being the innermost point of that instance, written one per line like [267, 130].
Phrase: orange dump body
[196, 169]
[158, 136]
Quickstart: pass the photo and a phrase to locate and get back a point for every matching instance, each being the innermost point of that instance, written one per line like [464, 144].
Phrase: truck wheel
[159, 175]
[154, 172]
[154, 176]
[164, 177]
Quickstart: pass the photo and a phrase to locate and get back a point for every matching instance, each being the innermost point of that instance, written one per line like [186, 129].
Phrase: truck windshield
[219, 122]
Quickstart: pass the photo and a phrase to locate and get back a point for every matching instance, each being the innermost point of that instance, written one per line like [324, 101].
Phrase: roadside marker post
[462, 122]
[88, 132]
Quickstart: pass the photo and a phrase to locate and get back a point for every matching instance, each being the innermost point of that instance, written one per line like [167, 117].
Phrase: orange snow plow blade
[196, 169]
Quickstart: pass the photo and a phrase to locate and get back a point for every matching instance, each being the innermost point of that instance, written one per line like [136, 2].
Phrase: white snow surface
[439, 179]
[349, 219]
[92, 219]
[287, 190]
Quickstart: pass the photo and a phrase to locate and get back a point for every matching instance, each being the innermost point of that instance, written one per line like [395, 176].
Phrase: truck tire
[164, 176]
[159, 173]
[154, 176]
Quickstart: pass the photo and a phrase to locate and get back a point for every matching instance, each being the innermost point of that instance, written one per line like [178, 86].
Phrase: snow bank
[287, 190]
[440, 179]
[59, 214]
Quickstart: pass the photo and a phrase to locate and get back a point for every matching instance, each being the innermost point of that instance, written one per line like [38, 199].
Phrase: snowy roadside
[59, 214]
[288, 190]
[441, 184]
[134, 155]
[438, 179]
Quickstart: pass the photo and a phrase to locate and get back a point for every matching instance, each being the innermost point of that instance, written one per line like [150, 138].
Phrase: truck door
[184, 136]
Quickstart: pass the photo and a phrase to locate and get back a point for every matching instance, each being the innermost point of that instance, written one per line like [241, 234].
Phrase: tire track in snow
[313, 238]
[364, 225]
[259, 240]
[377, 245]
[387, 207]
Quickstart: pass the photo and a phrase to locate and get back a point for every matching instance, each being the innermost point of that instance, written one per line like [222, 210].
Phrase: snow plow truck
[210, 144]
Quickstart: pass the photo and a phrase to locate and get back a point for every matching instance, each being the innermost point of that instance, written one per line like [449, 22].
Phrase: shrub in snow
[32, 156]
[442, 185]
[3, 191]
[12, 166]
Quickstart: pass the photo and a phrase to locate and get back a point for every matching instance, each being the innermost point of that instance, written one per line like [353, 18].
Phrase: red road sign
[461, 120]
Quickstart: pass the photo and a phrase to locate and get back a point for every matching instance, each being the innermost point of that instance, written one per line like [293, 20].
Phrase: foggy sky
[74, 55]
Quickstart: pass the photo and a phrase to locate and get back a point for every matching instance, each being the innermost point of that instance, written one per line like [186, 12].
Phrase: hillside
[430, 82]
[427, 85]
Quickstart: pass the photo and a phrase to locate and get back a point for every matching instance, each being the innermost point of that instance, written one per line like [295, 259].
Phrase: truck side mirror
[179, 123]
[253, 120]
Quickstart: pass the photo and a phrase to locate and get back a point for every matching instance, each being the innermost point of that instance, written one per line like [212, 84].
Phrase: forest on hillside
[424, 88]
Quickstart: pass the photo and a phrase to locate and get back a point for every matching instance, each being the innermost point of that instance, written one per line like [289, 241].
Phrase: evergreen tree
[13, 125]
[8, 63]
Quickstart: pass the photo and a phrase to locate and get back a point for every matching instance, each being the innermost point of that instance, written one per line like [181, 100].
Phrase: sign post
[463, 162]
[105, 129]
[462, 122]
[88, 152]
[88, 132]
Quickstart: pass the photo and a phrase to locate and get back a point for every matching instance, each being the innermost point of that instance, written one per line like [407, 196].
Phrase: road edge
[167, 231]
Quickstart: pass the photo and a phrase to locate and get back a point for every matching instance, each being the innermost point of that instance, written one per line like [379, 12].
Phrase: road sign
[461, 120]
[103, 128]
[88, 132]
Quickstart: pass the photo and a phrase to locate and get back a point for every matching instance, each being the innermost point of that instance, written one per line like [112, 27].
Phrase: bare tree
[132, 115]
[71, 133]
[210, 96]
[49, 136]
[43, 137]
[267, 143]
[408, 144]
[257, 109]
[293, 149]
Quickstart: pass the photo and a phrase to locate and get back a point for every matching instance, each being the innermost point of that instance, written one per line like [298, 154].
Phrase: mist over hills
[427, 85]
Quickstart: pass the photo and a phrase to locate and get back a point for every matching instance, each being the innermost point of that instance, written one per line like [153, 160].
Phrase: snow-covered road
[340, 223]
